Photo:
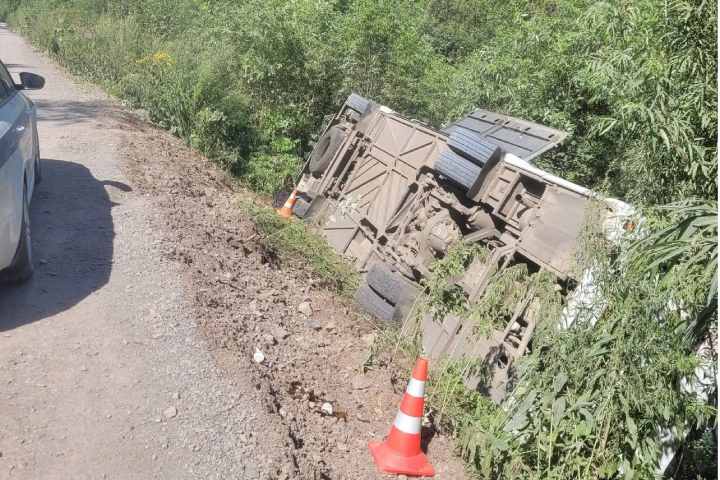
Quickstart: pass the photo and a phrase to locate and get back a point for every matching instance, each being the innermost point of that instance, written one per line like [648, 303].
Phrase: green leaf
[558, 410]
[632, 430]
[559, 382]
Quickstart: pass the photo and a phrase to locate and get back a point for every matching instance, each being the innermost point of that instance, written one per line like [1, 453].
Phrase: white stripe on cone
[416, 388]
[407, 424]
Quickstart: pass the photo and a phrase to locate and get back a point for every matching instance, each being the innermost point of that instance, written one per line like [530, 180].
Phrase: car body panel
[18, 151]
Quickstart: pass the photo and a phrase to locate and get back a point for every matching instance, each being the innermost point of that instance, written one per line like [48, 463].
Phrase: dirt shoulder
[130, 353]
[315, 344]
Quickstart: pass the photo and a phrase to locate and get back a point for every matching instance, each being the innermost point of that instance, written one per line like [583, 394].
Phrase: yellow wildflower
[157, 58]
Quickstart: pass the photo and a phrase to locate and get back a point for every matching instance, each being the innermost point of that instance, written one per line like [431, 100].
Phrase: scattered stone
[305, 308]
[258, 356]
[279, 332]
[327, 408]
[170, 412]
[176, 395]
[342, 447]
[361, 382]
[313, 324]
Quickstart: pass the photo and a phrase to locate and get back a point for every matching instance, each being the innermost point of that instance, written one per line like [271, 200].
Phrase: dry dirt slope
[130, 353]
[245, 300]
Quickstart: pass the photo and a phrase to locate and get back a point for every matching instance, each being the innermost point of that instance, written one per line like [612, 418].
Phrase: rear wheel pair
[464, 161]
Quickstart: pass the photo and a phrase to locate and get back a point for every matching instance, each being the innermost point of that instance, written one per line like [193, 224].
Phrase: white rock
[170, 412]
[305, 308]
[258, 356]
[327, 408]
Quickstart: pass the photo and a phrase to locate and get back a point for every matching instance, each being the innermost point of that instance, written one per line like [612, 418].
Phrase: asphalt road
[103, 371]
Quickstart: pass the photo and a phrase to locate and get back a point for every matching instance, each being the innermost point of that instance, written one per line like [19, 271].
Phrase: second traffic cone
[287, 210]
[400, 453]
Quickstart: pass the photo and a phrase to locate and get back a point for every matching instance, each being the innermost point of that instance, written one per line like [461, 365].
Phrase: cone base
[390, 462]
[285, 212]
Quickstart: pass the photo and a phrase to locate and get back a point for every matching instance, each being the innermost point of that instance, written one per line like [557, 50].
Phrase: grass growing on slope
[292, 240]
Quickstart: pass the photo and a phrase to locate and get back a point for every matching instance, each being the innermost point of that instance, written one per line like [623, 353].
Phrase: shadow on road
[67, 112]
[72, 233]
[72, 112]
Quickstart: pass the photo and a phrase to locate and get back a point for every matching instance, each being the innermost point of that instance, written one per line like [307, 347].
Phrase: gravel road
[103, 371]
[129, 355]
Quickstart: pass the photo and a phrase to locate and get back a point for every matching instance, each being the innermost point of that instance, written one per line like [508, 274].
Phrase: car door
[14, 155]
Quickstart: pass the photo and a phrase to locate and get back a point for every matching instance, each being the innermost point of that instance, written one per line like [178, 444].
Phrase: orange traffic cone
[287, 210]
[400, 453]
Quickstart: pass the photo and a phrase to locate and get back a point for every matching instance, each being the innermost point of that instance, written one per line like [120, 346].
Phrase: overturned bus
[392, 195]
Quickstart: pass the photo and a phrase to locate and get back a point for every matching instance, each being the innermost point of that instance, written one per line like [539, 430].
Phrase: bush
[635, 84]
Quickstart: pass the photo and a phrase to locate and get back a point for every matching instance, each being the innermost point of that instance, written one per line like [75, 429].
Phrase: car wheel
[38, 172]
[375, 305]
[326, 149]
[22, 267]
[391, 285]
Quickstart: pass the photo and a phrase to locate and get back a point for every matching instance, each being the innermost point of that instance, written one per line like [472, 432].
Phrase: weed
[293, 241]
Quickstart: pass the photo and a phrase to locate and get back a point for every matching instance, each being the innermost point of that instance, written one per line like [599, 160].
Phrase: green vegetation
[505, 289]
[248, 82]
[593, 398]
[634, 83]
[293, 241]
